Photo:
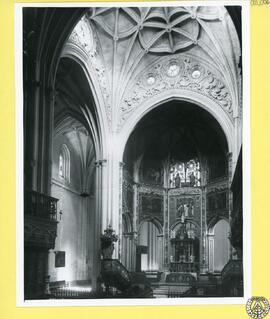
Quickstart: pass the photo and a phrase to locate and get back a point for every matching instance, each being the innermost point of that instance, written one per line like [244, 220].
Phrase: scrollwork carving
[191, 75]
[40, 232]
[84, 37]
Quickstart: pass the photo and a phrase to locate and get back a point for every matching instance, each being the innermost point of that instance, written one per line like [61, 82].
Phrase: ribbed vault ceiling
[159, 30]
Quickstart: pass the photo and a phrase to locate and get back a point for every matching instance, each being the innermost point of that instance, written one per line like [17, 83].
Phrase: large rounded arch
[148, 237]
[180, 95]
[218, 244]
[98, 115]
[154, 221]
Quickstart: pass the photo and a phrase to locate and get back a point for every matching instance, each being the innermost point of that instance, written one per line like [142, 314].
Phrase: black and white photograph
[132, 137]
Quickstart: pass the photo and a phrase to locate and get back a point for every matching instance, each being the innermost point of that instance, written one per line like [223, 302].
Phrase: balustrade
[40, 205]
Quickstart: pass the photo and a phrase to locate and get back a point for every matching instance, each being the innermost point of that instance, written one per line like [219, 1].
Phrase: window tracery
[185, 174]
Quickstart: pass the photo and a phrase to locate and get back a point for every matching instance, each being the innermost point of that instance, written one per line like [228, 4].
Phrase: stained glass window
[64, 163]
[61, 168]
[185, 174]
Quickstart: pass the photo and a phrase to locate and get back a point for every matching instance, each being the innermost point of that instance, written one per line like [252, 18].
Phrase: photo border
[20, 302]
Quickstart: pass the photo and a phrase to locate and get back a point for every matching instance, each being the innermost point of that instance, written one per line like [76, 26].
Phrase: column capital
[100, 163]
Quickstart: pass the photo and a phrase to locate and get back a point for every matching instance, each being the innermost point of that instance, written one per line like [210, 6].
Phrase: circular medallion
[257, 307]
[150, 79]
[173, 69]
[196, 74]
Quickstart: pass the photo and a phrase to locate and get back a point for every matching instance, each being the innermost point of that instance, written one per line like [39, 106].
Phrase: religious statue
[177, 181]
[192, 179]
[190, 208]
[186, 209]
[181, 212]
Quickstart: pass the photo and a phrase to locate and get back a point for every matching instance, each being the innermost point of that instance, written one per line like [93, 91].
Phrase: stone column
[31, 114]
[127, 254]
[161, 252]
[112, 188]
[135, 225]
[120, 227]
[230, 194]
[39, 121]
[166, 232]
[204, 264]
[203, 249]
[98, 220]
[210, 252]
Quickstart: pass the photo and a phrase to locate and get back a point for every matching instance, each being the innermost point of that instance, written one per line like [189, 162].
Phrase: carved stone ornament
[185, 191]
[175, 73]
[145, 189]
[40, 232]
[97, 65]
[84, 37]
[218, 185]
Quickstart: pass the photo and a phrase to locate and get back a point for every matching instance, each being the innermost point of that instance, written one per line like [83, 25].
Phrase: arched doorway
[219, 245]
[149, 246]
[127, 244]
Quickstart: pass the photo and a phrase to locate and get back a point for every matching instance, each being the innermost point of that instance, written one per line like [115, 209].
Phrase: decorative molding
[145, 189]
[185, 191]
[96, 62]
[191, 75]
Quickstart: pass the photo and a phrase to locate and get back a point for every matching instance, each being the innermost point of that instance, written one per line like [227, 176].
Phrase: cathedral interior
[132, 152]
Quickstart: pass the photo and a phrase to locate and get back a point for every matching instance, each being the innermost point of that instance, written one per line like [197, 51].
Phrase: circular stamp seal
[257, 307]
